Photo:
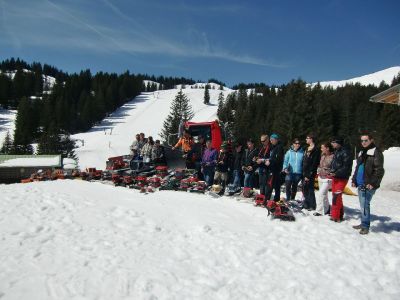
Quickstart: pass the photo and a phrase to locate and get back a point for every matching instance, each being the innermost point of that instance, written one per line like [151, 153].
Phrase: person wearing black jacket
[222, 166]
[262, 157]
[311, 160]
[340, 172]
[196, 154]
[274, 168]
[237, 165]
[249, 164]
[367, 178]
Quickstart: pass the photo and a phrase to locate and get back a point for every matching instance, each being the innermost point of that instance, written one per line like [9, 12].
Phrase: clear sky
[233, 41]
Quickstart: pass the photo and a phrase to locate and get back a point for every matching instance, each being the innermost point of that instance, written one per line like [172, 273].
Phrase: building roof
[389, 96]
[12, 161]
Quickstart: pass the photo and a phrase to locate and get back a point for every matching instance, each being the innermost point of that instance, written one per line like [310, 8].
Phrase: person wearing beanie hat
[340, 173]
[274, 136]
[274, 165]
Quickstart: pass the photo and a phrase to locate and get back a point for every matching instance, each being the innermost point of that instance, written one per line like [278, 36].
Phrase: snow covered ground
[146, 113]
[80, 240]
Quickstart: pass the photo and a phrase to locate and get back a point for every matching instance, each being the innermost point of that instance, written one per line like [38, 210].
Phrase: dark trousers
[291, 183]
[309, 194]
[273, 183]
[263, 183]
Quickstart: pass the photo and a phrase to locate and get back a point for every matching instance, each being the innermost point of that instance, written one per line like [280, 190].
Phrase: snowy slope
[81, 240]
[376, 78]
[146, 113]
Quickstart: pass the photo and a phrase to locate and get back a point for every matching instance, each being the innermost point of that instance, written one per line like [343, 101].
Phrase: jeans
[263, 183]
[237, 180]
[291, 183]
[208, 173]
[248, 179]
[365, 197]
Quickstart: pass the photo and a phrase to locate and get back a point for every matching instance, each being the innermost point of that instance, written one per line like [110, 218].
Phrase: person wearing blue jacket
[293, 167]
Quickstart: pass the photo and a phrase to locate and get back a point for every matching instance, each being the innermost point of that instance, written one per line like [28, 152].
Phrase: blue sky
[233, 41]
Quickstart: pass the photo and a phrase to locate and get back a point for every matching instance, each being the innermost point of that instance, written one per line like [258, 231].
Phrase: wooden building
[13, 168]
[389, 96]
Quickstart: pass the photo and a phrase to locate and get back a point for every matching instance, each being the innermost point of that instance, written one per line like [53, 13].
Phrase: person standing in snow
[340, 173]
[274, 165]
[135, 146]
[367, 178]
[237, 165]
[158, 154]
[221, 169]
[310, 165]
[293, 168]
[186, 142]
[262, 157]
[147, 150]
[324, 181]
[208, 163]
[248, 163]
[196, 154]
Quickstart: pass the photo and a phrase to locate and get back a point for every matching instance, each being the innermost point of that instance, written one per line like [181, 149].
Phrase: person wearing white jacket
[324, 181]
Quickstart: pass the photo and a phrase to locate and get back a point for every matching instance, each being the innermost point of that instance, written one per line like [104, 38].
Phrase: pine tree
[7, 147]
[207, 94]
[24, 129]
[180, 109]
[220, 111]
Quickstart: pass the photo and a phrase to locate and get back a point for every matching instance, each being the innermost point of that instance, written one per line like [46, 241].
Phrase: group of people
[331, 164]
[147, 150]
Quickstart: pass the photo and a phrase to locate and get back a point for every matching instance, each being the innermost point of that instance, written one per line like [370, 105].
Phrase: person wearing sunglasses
[311, 160]
[293, 168]
[367, 178]
[262, 157]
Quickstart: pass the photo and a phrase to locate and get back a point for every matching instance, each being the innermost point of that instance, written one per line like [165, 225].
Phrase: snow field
[80, 240]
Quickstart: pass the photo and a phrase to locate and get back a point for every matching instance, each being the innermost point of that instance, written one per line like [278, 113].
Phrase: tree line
[296, 109]
[47, 115]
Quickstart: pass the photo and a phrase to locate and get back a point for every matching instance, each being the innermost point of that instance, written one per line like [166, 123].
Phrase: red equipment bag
[260, 200]
[247, 192]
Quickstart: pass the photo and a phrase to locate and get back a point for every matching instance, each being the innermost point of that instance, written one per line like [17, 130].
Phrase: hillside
[146, 113]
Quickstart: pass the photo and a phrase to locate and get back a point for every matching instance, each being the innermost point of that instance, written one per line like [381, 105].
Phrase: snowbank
[32, 162]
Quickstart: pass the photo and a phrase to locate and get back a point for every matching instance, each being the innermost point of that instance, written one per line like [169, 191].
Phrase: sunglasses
[263, 141]
[296, 143]
[364, 141]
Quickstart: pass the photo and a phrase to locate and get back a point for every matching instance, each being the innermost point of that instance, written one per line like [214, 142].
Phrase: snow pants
[322, 200]
[338, 185]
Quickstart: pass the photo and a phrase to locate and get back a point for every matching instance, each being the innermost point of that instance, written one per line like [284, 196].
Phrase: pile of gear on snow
[148, 178]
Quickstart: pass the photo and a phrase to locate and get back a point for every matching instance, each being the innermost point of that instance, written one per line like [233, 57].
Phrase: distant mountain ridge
[375, 78]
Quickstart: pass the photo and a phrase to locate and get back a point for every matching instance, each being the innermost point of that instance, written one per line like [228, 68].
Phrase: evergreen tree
[7, 147]
[220, 111]
[180, 109]
[207, 94]
[24, 129]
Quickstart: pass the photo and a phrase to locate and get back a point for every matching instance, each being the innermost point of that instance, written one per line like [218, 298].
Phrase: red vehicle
[209, 130]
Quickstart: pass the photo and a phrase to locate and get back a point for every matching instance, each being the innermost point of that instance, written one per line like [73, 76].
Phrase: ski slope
[146, 113]
[80, 240]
